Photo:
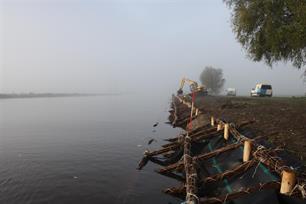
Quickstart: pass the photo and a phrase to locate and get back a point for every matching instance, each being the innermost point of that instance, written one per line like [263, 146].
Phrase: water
[81, 150]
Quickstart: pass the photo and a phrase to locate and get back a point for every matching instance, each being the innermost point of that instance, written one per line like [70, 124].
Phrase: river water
[81, 150]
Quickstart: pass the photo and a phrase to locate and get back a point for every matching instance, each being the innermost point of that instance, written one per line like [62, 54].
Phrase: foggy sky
[125, 46]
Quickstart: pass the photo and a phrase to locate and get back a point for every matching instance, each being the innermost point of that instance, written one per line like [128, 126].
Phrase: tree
[213, 79]
[271, 30]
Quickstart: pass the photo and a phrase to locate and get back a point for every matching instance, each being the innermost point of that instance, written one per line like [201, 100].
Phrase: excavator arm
[192, 84]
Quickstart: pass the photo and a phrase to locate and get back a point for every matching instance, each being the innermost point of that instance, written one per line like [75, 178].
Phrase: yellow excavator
[194, 87]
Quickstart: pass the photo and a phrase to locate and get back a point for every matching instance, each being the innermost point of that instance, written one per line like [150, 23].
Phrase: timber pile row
[179, 161]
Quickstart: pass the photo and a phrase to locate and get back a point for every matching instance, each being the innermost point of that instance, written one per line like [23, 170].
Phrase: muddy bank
[284, 116]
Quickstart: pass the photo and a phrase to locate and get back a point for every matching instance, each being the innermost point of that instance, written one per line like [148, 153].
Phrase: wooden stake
[219, 127]
[192, 110]
[288, 181]
[212, 121]
[197, 112]
[226, 131]
[247, 150]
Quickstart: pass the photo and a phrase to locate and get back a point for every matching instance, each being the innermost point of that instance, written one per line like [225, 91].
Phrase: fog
[126, 46]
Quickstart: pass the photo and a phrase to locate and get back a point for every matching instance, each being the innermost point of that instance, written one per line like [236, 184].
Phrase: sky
[126, 46]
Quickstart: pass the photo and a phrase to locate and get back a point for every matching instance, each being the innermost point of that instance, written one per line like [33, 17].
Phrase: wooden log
[153, 159]
[177, 145]
[191, 174]
[241, 193]
[179, 165]
[217, 152]
[143, 162]
[173, 175]
[163, 150]
[241, 168]
[179, 192]
[202, 132]
[169, 154]
[170, 144]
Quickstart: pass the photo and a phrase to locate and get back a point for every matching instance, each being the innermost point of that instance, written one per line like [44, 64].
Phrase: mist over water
[81, 150]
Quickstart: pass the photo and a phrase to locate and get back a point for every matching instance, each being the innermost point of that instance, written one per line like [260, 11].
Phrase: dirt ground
[285, 117]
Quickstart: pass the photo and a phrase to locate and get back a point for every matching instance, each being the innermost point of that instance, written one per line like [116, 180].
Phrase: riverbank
[221, 157]
[282, 119]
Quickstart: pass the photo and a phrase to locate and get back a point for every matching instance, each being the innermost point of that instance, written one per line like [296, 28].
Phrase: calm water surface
[81, 150]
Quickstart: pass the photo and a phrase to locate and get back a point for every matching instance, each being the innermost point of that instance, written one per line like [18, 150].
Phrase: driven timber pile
[216, 161]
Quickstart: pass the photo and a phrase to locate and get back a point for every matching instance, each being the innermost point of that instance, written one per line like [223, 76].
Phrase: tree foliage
[271, 30]
[213, 79]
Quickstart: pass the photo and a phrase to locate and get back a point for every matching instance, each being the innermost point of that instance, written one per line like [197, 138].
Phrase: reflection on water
[81, 150]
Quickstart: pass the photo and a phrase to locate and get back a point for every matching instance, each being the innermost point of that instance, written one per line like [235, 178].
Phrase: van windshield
[266, 87]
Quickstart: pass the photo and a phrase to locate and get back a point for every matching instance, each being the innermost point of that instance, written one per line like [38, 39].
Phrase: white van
[262, 90]
[230, 92]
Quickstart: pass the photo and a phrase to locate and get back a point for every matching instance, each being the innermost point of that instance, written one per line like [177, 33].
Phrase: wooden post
[212, 121]
[247, 150]
[288, 181]
[219, 127]
[226, 131]
[192, 110]
[197, 112]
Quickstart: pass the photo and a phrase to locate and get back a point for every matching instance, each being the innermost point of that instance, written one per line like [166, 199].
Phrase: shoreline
[220, 156]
